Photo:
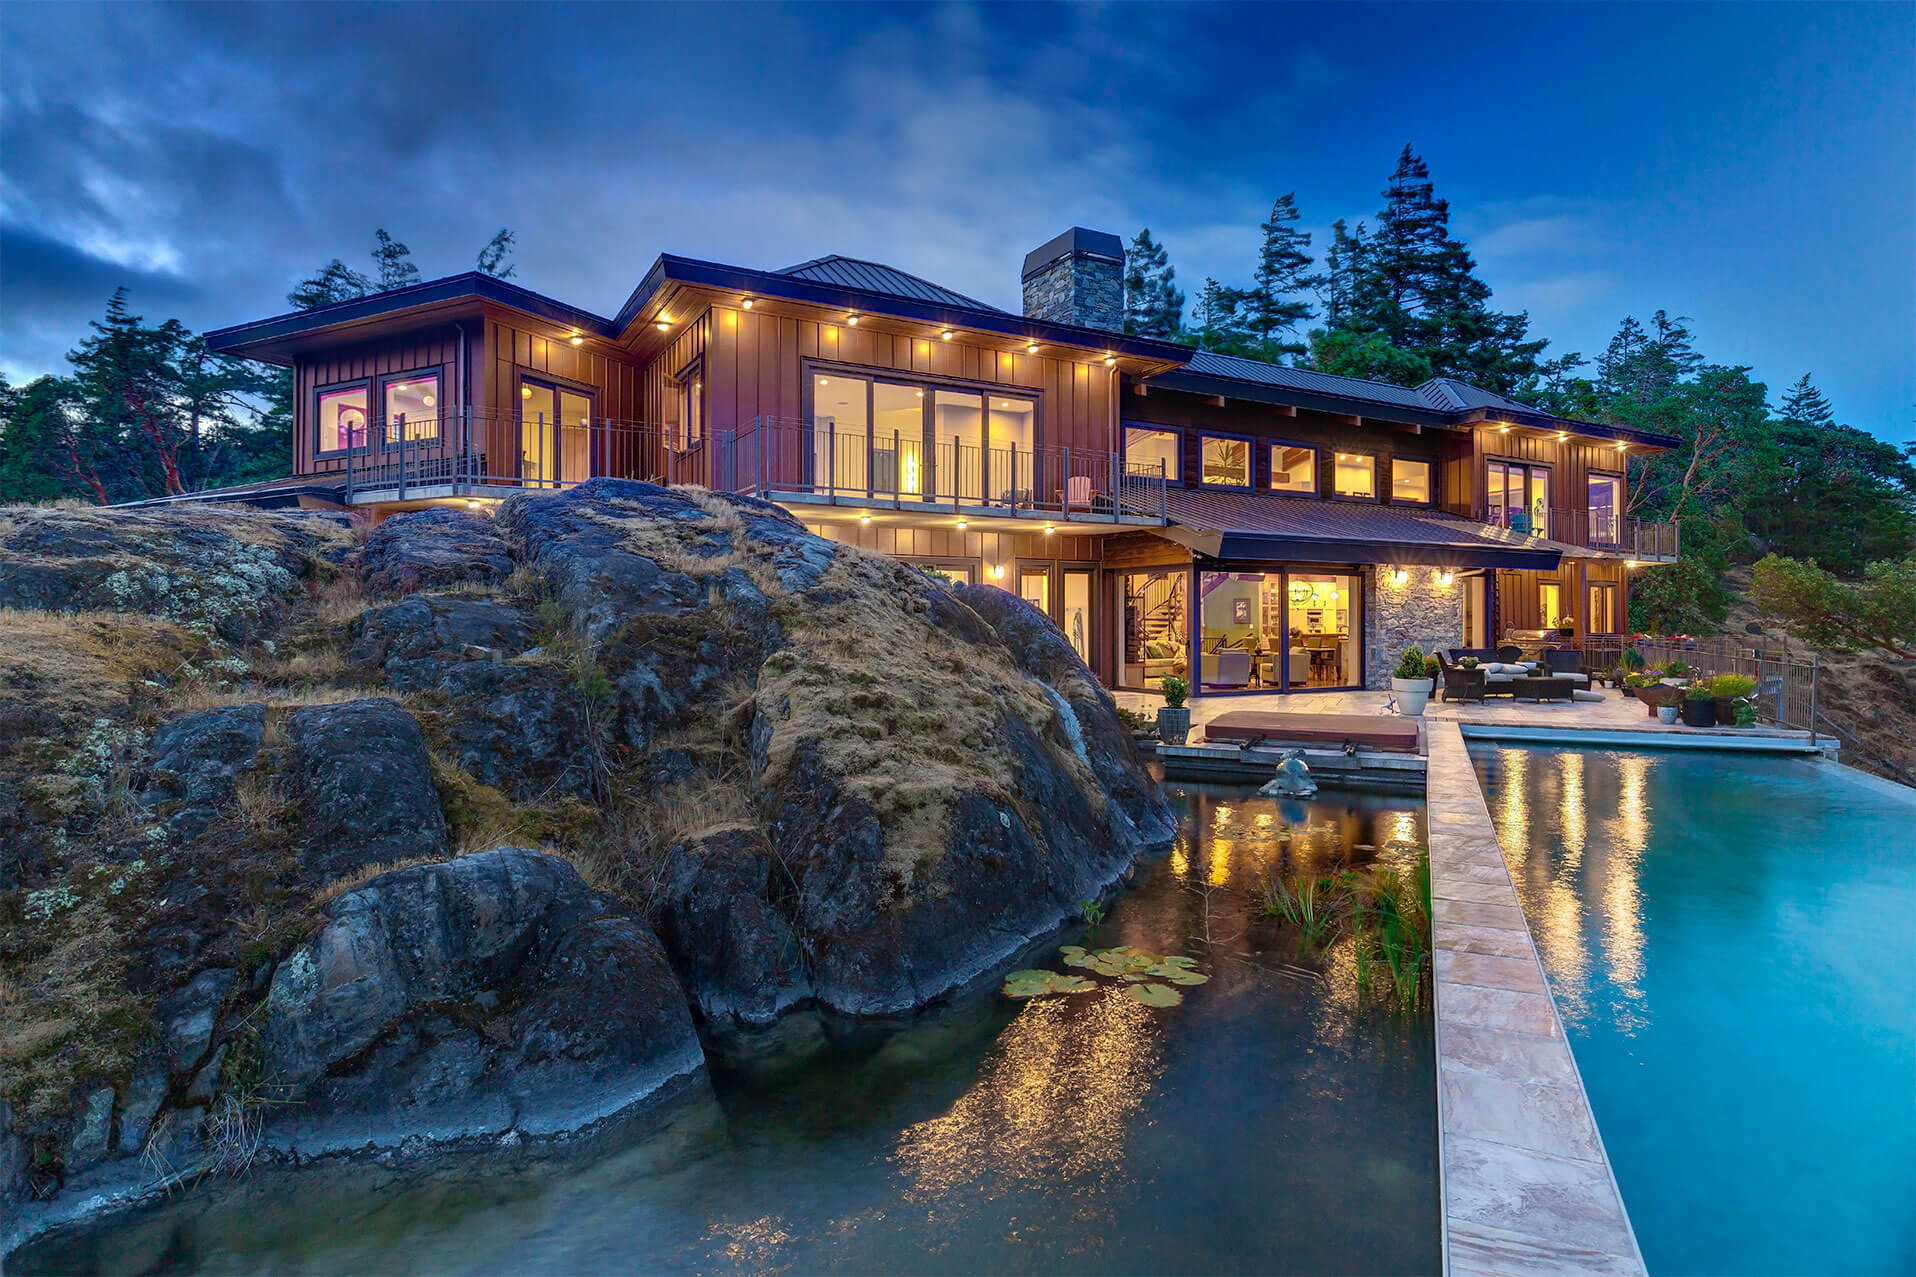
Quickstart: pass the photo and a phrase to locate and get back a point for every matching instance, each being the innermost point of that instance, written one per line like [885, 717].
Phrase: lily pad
[1178, 975]
[1154, 995]
[1032, 984]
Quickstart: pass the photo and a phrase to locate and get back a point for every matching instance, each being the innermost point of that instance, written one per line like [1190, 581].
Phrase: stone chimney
[1077, 278]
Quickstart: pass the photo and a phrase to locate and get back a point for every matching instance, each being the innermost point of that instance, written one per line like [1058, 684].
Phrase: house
[1267, 528]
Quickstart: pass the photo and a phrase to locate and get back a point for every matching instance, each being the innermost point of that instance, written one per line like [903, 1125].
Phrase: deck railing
[1785, 682]
[1623, 535]
[460, 452]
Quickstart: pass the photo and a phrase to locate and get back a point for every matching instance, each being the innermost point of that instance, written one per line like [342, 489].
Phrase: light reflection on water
[1275, 1121]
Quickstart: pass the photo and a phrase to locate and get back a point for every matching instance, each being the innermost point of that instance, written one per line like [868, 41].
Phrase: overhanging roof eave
[1302, 549]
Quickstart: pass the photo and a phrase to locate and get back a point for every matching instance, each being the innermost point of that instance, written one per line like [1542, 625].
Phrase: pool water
[1731, 941]
[1276, 1121]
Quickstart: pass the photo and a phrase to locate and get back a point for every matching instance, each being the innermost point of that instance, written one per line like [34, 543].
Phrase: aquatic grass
[1385, 911]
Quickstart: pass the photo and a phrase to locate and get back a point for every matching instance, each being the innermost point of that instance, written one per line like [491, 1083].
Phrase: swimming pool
[1731, 942]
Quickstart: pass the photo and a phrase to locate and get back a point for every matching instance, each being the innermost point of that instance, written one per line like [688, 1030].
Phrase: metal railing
[1785, 683]
[1622, 535]
[468, 449]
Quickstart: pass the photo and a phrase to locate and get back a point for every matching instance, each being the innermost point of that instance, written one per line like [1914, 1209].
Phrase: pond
[1277, 1120]
[1729, 941]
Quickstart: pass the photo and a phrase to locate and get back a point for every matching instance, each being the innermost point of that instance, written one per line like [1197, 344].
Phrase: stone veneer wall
[1419, 613]
[1078, 289]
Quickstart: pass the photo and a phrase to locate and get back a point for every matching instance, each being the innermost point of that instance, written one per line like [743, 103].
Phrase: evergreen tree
[394, 262]
[34, 434]
[1153, 303]
[1272, 310]
[1346, 261]
[333, 282]
[1347, 352]
[492, 258]
[1805, 405]
[1215, 313]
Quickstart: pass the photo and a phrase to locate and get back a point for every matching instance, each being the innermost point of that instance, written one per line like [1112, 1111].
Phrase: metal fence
[1633, 538]
[1785, 684]
[460, 452]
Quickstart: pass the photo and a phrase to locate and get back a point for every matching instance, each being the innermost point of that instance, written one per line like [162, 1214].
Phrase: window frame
[1375, 497]
[319, 393]
[1317, 463]
[1531, 470]
[1152, 427]
[438, 373]
[1430, 481]
[1250, 461]
[1589, 512]
[692, 395]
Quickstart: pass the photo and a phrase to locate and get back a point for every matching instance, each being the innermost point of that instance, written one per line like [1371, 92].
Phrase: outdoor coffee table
[1542, 688]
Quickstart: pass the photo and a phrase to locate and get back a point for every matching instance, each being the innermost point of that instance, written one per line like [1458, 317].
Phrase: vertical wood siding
[432, 350]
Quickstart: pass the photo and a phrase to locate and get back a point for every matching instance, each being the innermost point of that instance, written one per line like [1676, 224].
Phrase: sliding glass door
[555, 426]
[1279, 631]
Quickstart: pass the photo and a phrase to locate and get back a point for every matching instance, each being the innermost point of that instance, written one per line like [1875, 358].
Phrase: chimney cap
[1077, 240]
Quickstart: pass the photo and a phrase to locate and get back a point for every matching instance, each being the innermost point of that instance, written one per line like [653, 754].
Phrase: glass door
[1074, 610]
[555, 427]
[1549, 605]
[1152, 628]
[1034, 587]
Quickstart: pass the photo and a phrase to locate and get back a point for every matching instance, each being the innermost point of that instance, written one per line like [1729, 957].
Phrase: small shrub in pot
[1699, 706]
[1174, 720]
[1413, 680]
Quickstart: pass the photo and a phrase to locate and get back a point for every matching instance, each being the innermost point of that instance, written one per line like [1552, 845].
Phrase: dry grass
[66, 1012]
[71, 664]
[725, 543]
[365, 874]
[262, 803]
[275, 698]
[339, 600]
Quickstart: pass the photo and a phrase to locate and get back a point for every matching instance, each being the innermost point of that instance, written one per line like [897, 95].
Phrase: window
[341, 419]
[914, 439]
[691, 430]
[1227, 462]
[898, 437]
[1151, 620]
[1355, 475]
[1549, 605]
[1410, 480]
[1517, 496]
[1148, 448]
[414, 399]
[1293, 468]
[1606, 509]
[1603, 608]
[1279, 630]
[841, 432]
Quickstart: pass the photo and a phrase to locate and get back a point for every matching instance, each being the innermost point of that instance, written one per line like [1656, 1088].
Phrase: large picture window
[1355, 475]
[872, 434]
[340, 418]
[1293, 468]
[1227, 461]
[1269, 631]
[1150, 447]
[412, 399]
[1518, 496]
[1409, 481]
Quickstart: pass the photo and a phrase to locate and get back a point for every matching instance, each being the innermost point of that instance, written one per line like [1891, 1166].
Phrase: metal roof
[876, 277]
[1251, 525]
[1453, 395]
[1206, 363]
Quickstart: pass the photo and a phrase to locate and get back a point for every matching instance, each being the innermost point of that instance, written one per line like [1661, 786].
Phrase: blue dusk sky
[1752, 167]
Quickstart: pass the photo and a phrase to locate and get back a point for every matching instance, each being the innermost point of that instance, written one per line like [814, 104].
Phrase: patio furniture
[1566, 663]
[1462, 684]
[1543, 687]
[1510, 654]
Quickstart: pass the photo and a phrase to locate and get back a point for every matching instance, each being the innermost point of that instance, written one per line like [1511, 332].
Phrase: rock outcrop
[482, 995]
[709, 768]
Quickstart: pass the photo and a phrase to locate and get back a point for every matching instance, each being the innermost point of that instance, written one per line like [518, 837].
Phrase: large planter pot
[1699, 713]
[1725, 712]
[1666, 714]
[1412, 694]
[1174, 725]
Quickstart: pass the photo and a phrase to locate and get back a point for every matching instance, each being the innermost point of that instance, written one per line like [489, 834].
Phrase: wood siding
[1519, 603]
[434, 349]
[1571, 461]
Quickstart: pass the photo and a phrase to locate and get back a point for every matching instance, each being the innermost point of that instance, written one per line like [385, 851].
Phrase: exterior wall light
[1503, 430]
[1401, 575]
[961, 525]
[998, 571]
[576, 339]
[1048, 529]
[1621, 445]
[1446, 576]
[947, 335]
[748, 301]
[1110, 361]
[852, 319]
[864, 518]
[1562, 435]
[1031, 348]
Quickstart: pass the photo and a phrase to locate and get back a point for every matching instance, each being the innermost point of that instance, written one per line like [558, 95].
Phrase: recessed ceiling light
[748, 302]
[1031, 348]
[864, 518]
[947, 335]
[852, 319]
[663, 324]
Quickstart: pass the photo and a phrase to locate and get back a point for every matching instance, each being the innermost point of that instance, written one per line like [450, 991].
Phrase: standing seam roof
[876, 277]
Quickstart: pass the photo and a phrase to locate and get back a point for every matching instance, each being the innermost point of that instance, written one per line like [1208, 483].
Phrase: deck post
[897, 469]
[1067, 480]
[758, 469]
[349, 468]
[831, 461]
[400, 420]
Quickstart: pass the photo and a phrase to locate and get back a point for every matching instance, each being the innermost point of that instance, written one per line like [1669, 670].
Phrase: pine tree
[1806, 405]
[1274, 308]
[333, 282]
[492, 258]
[1153, 303]
[1346, 262]
[394, 262]
[1217, 314]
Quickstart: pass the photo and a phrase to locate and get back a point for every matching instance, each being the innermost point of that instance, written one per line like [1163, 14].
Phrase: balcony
[1617, 536]
[474, 453]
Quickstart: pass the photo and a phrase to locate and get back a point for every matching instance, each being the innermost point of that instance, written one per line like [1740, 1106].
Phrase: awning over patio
[1248, 525]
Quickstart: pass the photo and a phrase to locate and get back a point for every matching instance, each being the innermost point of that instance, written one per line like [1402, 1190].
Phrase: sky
[1750, 167]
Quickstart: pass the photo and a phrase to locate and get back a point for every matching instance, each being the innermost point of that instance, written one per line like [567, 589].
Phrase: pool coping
[1525, 1181]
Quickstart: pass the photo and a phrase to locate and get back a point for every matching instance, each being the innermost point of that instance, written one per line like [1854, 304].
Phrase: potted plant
[1676, 673]
[1699, 705]
[1416, 675]
[1659, 702]
[1727, 690]
[1174, 719]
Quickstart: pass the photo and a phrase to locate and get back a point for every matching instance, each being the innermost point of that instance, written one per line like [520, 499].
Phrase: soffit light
[852, 319]
[947, 335]
[748, 302]
[864, 518]
[1621, 446]
[1110, 360]
[663, 324]
[1031, 348]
